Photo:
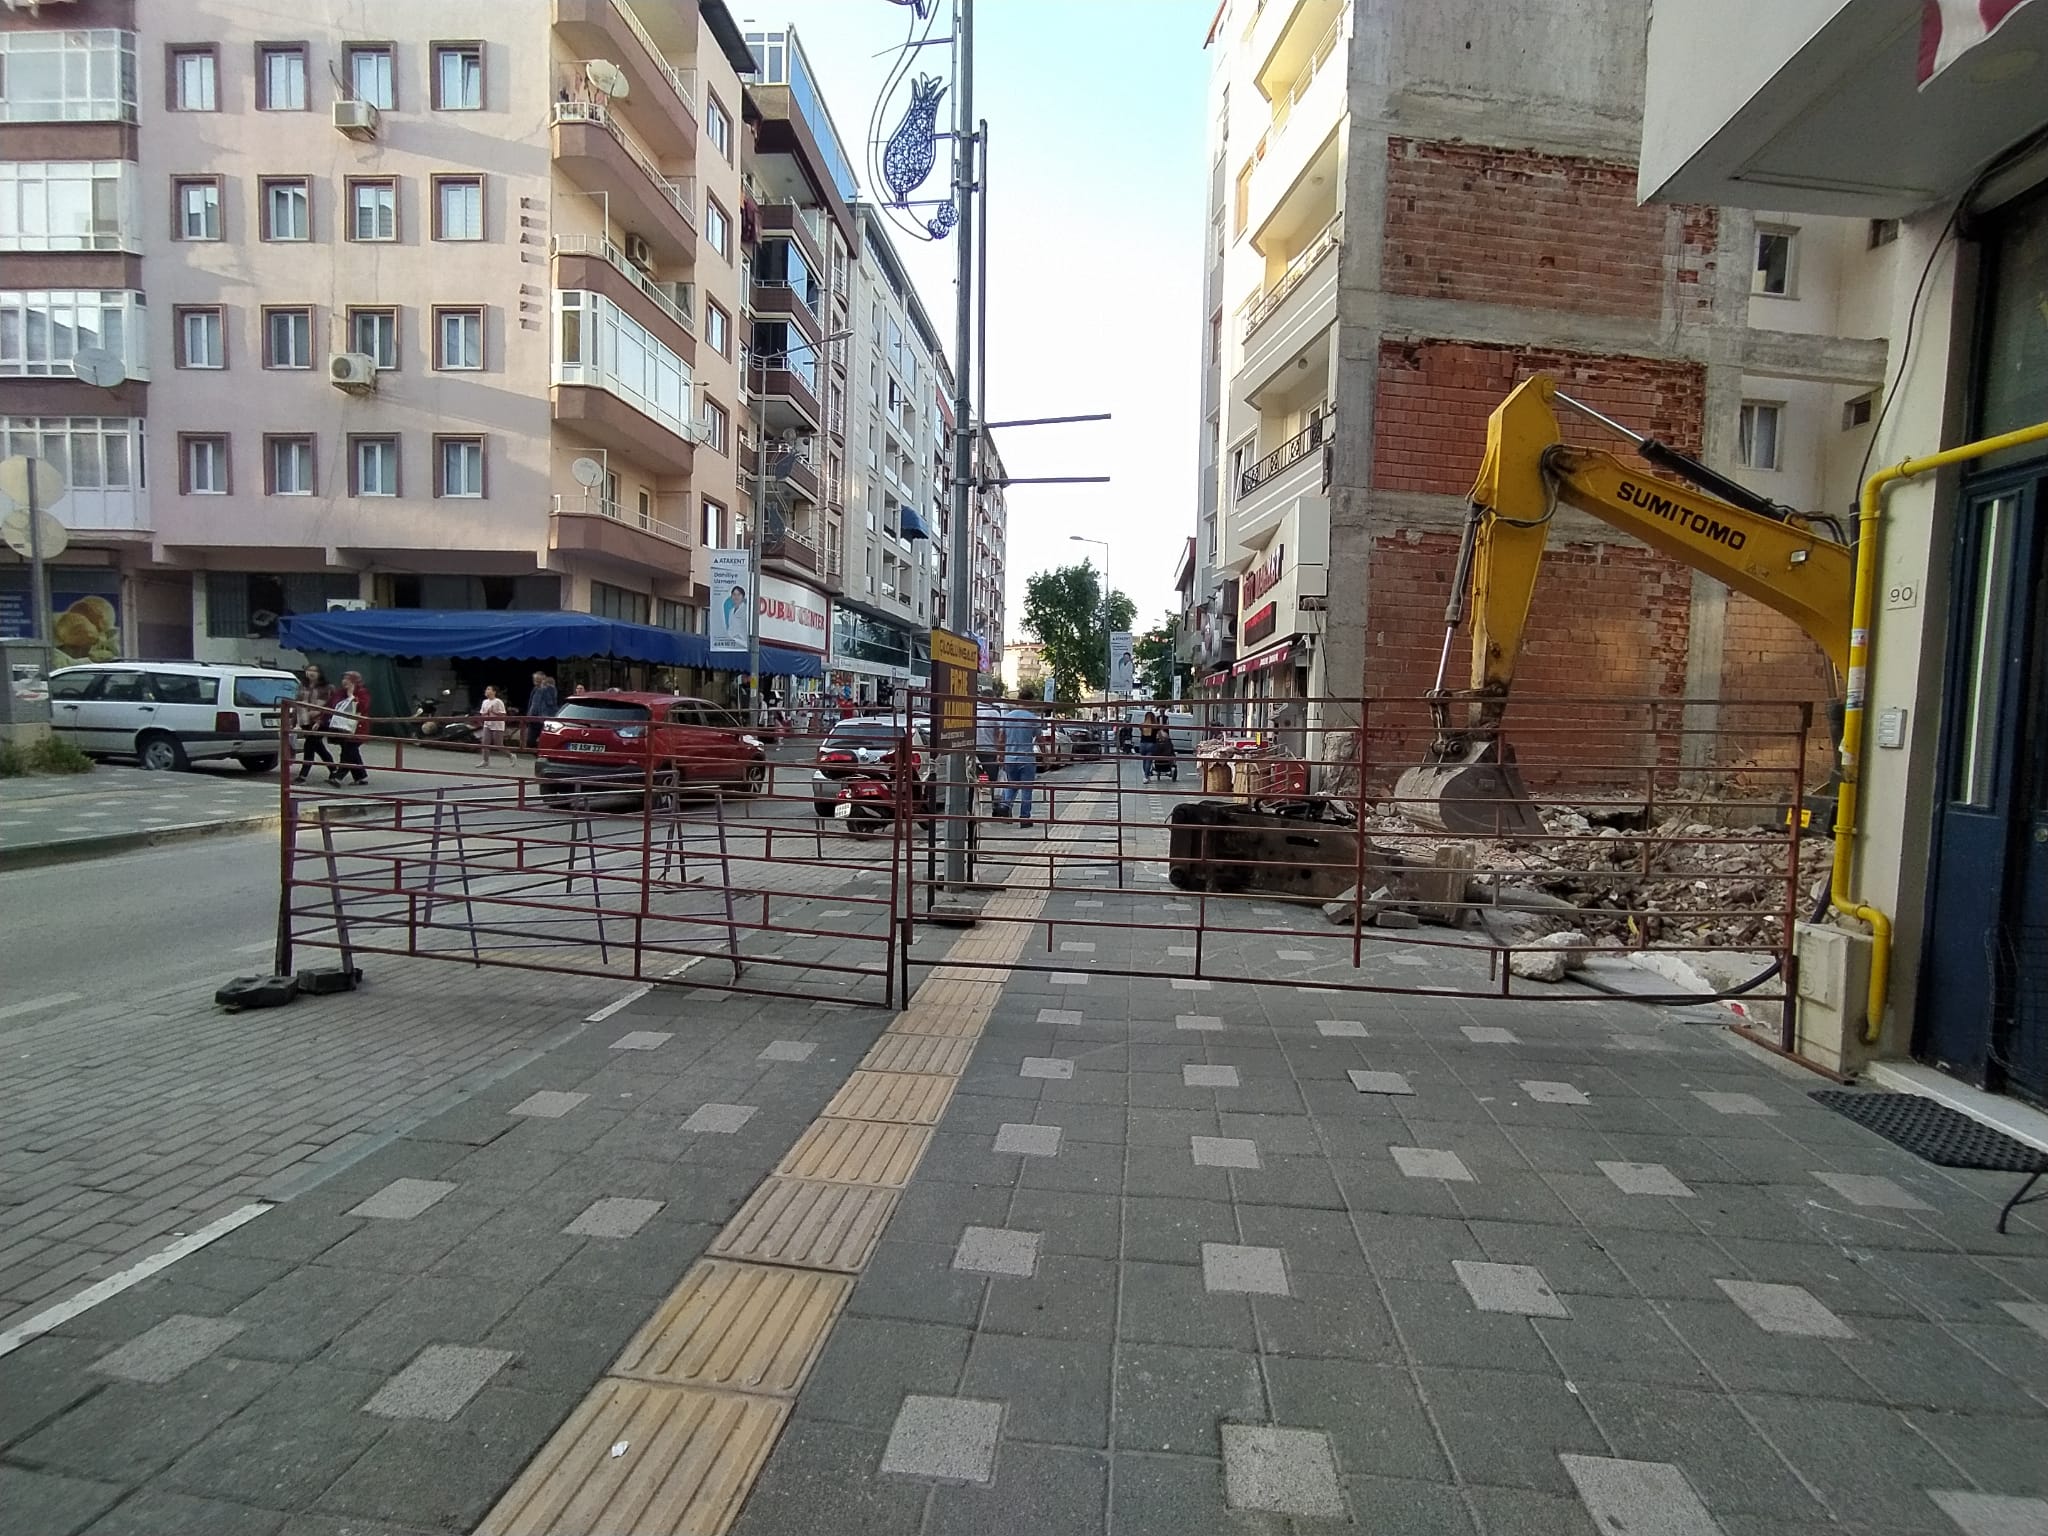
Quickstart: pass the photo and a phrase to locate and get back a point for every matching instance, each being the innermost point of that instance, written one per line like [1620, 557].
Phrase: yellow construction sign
[956, 664]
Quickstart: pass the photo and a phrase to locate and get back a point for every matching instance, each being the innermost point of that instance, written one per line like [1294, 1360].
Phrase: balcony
[1287, 328]
[1267, 303]
[1267, 489]
[603, 418]
[779, 301]
[593, 263]
[608, 533]
[803, 478]
[594, 151]
[785, 216]
[789, 402]
[793, 550]
[662, 99]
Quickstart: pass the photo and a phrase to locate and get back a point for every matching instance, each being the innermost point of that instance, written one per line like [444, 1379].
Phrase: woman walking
[310, 708]
[491, 721]
[1147, 729]
[348, 712]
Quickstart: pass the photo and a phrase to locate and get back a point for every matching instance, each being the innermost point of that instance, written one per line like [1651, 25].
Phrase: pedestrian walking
[1148, 740]
[1020, 763]
[309, 709]
[490, 721]
[540, 703]
[351, 721]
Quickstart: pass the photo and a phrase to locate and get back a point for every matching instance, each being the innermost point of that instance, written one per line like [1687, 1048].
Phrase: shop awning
[500, 635]
[1276, 656]
[913, 525]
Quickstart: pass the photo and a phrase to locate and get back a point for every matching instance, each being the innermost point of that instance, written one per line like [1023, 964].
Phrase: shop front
[795, 620]
[875, 656]
[1280, 605]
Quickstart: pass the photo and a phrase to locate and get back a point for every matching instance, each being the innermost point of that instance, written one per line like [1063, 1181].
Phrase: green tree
[1153, 653]
[1063, 613]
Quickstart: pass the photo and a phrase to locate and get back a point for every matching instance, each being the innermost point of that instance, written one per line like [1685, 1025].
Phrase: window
[287, 209]
[42, 330]
[68, 76]
[181, 688]
[599, 344]
[373, 466]
[458, 339]
[1856, 413]
[68, 205]
[610, 602]
[95, 453]
[458, 466]
[718, 329]
[1883, 232]
[718, 228]
[714, 524]
[287, 338]
[372, 210]
[458, 77]
[458, 207]
[281, 77]
[288, 466]
[203, 463]
[1241, 200]
[370, 75]
[194, 85]
[374, 333]
[717, 425]
[719, 126]
[201, 338]
[1757, 438]
[1773, 275]
[197, 200]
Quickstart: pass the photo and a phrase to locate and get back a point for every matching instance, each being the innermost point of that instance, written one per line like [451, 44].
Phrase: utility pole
[758, 520]
[966, 428]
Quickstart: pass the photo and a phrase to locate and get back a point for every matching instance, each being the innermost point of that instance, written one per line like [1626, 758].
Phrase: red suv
[601, 743]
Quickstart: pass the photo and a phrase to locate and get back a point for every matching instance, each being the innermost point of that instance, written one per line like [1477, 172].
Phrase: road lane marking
[37, 1004]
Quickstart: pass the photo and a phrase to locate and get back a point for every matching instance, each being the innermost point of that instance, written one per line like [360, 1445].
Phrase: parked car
[1064, 742]
[612, 743]
[859, 747]
[170, 714]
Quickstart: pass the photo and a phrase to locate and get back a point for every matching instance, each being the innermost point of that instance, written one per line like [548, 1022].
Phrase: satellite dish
[588, 472]
[98, 367]
[15, 474]
[56, 538]
[607, 79]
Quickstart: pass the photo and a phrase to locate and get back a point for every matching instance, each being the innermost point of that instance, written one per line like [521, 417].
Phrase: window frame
[713, 205]
[265, 52]
[355, 312]
[349, 53]
[443, 441]
[270, 312]
[272, 441]
[175, 55]
[721, 440]
[443, 312]
[181, 354]
[1789, 233]
[707, 507]
[180, 185]
[713, 307]
[266, 228]
[354, 183]
[435, 51]
[356, 443]
[437, 228]
[187, 441]
[1777, 410]
[715, 113]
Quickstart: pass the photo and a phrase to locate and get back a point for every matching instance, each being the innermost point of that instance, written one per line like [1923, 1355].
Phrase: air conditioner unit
[355, 372]
[355, 119]
[639, 252]
[346, 605]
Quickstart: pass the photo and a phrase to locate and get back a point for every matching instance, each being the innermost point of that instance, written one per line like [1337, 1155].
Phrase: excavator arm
[1771, 554]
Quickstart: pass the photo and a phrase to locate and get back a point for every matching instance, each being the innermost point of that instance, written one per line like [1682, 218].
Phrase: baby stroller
[1165, 765]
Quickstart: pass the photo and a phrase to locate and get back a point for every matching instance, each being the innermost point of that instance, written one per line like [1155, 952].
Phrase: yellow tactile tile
[856, 1152]
[905, 1098]
[919, 1053]
[690, 1457]
[742, 1327]
[811, 1226]
[948, 1023]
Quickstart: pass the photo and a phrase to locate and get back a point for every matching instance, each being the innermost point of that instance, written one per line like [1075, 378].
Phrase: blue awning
[913, 525]
[516, 635]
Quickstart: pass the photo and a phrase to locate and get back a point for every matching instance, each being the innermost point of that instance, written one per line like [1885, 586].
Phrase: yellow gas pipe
[1858, 681]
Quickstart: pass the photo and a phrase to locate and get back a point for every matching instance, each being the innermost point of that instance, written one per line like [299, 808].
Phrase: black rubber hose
[1685, 999]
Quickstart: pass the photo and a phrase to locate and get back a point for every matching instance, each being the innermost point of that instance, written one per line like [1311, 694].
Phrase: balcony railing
[1290, 453]
[680, 193]
[1285, 103]
[597, 245]
[792, 549]
[1263, 305]
[619, 512]
[684, 81]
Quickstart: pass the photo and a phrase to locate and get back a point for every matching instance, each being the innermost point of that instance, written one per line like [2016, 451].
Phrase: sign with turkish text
[731, 584]
[1120, 661]
[956, 664]
[1264, 577]
[793, 614]
[1260, 625]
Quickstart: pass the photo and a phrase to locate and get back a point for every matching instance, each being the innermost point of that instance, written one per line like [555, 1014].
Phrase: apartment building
[72, 238]
[1411, 209]
[1929, 139]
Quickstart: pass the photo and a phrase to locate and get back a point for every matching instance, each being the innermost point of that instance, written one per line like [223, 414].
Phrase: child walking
[491, 721]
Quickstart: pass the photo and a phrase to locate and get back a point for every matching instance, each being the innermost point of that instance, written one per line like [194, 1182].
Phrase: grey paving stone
[2033, 1314]
[1992, 1514]
[1341, 1029]
[1054, 1390]
[1197, 1021]
[871, 1364]
[1431, 1163]
[1379, 1082]
[1489, 1034]
[1734, 1103]
[1281, 1471]
[1185, 984]
[1620, 1338]
[1052, 1068]
[1170, 1230]
[156, 1512]
[822, 1478]
[719, 1119]
[1785, 1309]
[1069, 1297]
[1169, 1304]
[168, 1350]
[403, 1199]
[613, 1216]
[642, 1040]
[1243, 1269]
[1912, 1363]
[1078, 946]
[1506, 1429]
[1224, 1152]
[38, 1502]
[127, 1431]
[288, 1446]
[1883, 1486]
[1638, 1498]
[305, 1311]
[1372, 1415]
[1093, 1168]
[1508, 1288]
[1059, 1015]
[1170, 1398]
[1645, 1179]
[1555, 1093]
[1872, 1190]
[547, 1104]
[997, 1251]
[1068, 979]
[1029, 1140]
[788, 1050]
[438, 1384]
[456, 1469]
[1155, 1495]
[1209, 1077]
[951, 1439]
[1734, 1469]
[1037, 1488]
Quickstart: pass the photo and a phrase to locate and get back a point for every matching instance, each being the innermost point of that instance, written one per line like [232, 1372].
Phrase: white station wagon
[168, 714]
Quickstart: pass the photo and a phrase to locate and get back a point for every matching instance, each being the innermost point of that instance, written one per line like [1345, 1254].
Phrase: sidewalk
[1076, 1253]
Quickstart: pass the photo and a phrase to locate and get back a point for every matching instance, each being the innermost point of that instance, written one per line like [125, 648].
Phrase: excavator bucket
[1472, 799]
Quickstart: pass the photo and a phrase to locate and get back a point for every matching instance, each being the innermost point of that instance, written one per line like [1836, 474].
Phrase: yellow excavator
[1796, 563]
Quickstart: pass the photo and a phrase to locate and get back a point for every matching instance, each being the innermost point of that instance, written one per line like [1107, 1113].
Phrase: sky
[1096, 214]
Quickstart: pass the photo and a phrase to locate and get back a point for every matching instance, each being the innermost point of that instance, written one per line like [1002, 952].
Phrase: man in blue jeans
[1019, 732]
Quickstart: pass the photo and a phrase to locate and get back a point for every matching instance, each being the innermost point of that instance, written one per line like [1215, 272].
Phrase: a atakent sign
[730, 580]
[1266, 576]
[794, 615]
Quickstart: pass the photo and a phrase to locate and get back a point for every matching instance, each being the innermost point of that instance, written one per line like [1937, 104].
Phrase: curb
[79, 849]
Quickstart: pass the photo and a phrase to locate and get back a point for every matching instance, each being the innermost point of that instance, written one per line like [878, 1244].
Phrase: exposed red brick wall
[1767, 658]
[1515, 226]
[1429, 425]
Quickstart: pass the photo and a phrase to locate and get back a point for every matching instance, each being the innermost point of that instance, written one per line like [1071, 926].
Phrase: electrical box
[1891, 728]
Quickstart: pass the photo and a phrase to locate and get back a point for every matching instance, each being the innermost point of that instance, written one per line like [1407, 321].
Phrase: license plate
[585, 746]
[270, 721]
[843, 810]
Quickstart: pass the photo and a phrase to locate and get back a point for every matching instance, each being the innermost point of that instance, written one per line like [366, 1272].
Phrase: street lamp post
[1108, 655]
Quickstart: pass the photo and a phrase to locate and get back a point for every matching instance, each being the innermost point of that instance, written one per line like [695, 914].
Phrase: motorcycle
[869, 800]
[434, 727]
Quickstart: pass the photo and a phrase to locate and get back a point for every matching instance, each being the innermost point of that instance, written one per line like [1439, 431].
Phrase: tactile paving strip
[919, 1053]
[745, 1327]
[856, 1152]
[815, 1226]
[905, 1098]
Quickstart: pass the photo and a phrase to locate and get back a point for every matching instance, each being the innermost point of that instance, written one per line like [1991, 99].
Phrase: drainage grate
[1934, 1132]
